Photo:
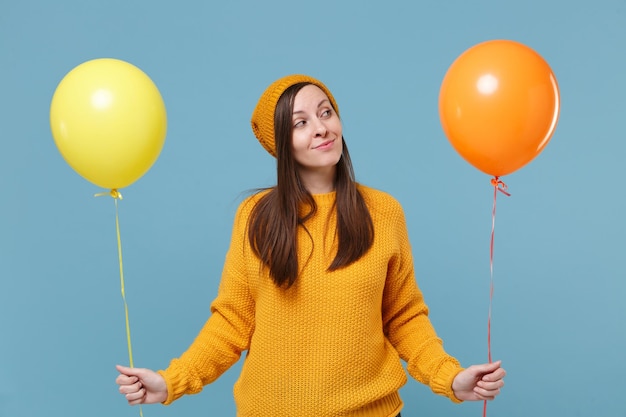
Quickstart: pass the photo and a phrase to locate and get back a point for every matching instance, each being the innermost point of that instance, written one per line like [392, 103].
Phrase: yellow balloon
[109, 122]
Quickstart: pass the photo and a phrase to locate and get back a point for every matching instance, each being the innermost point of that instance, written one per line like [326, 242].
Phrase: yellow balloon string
[118, 196]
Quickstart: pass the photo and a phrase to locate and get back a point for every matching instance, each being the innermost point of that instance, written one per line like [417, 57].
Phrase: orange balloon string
[116, 195]
[498, 186]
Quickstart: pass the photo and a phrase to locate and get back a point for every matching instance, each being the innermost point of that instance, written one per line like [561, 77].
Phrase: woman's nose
[320, 129]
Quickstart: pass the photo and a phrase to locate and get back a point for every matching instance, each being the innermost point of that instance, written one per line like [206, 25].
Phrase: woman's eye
[299, 123]
[326, 113]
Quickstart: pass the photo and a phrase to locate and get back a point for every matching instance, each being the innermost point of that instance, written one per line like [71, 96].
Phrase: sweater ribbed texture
[332, 344]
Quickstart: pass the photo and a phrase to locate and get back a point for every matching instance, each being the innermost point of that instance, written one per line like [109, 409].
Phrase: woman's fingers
[125, 379]
[131, 388]
[136, 397]
[487, 390]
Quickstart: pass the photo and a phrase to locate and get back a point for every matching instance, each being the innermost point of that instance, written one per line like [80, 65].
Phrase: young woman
[318, 288]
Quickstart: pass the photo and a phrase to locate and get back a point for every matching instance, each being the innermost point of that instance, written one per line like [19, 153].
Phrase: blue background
[560, 281]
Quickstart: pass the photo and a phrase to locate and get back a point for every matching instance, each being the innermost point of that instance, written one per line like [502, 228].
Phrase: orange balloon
[499, 105]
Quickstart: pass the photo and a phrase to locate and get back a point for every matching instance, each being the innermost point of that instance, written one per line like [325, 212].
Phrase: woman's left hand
[479, 382]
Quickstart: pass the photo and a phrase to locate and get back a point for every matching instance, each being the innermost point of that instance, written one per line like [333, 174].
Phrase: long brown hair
[275, 218]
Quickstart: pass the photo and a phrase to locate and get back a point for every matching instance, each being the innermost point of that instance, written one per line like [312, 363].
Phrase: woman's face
[317, 135]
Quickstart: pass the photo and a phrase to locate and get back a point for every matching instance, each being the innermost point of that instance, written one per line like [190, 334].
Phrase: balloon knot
[500, 186]
[113, 193]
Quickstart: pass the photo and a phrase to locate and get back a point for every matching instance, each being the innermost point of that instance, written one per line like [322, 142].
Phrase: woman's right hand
[141, 386]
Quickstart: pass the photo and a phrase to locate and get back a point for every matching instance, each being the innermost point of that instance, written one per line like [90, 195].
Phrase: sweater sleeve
[225, 334]
[406, 321]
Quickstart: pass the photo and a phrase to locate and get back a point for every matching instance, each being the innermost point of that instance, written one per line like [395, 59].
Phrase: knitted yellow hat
[263, 114]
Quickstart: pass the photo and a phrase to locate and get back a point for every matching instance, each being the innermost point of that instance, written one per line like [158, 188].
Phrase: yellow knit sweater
[331, 344]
